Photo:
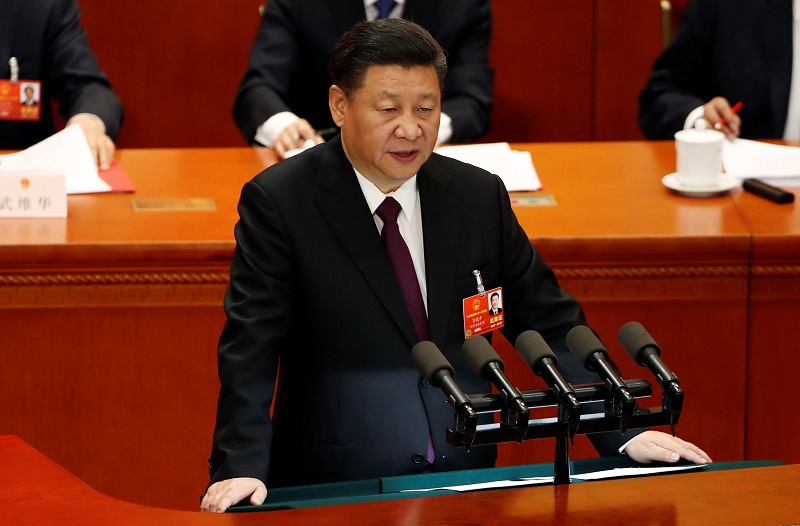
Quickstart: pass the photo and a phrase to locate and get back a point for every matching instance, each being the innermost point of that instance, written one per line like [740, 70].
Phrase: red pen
[735, 110]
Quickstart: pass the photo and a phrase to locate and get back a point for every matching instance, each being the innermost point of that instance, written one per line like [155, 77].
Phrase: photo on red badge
[483, 312]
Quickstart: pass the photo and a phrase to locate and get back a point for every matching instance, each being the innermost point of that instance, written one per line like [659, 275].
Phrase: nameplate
[190, 204]
[533, 200]
[33, 194]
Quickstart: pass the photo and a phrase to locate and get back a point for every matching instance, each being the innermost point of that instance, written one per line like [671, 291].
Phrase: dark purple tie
[406, 276]
[403, 265]
[384, 7]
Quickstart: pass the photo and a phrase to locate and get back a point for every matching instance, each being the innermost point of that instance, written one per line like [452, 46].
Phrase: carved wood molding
[651, 272]
[773, 271]
[114, 278]
[120, 289]
[778, 282]
[636, 284]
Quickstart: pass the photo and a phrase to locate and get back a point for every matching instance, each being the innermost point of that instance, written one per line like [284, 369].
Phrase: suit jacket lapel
[777, 30]
[441, 233]
[343, 205]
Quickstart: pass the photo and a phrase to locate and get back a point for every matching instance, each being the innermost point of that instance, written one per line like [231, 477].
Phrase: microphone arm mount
[618, 415]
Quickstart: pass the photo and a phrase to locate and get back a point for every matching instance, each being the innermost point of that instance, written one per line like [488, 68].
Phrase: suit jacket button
[425, 383]
[418, 459]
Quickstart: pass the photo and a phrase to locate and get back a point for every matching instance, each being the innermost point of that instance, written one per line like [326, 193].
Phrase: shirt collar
[406, 195]
[370, 3]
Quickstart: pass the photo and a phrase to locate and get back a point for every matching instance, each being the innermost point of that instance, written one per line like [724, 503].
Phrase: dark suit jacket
[290, 60]
[737, 49]
[312, 289]
[46, 38]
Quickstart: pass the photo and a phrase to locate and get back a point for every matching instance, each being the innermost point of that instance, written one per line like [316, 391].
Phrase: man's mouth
[405, 156]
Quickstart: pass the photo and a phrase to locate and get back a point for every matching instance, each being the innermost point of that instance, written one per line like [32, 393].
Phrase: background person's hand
[719, 108]
[100, 144]
[294, 136]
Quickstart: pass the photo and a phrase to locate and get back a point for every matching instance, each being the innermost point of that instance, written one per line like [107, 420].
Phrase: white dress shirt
[409, 221]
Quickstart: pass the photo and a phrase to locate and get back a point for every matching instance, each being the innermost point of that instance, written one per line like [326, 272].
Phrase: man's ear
[337, 101]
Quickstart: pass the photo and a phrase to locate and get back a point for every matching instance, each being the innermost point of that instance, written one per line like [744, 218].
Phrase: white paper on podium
[514, 167]
[772, 163]
[632, 472]
[66, 151]
[497, 484]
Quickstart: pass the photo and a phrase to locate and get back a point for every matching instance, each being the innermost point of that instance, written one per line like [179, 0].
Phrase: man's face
[28, 92]
[495, 301]
[389, 125]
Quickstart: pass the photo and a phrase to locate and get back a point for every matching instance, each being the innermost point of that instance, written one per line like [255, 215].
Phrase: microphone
[542, 361]
[591, 352]
[646, 352]
[484, 360]
[435, 368]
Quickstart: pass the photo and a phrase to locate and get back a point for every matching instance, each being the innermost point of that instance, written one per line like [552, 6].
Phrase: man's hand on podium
[225, 493]
[655, 446]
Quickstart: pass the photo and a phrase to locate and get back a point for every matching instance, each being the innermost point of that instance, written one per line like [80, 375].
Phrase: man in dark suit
[315, 291]
[724, 52]
[47, 44]
[281, 99]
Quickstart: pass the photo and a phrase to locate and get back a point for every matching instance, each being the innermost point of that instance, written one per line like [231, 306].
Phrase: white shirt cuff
[695, 119]
[445, 129]
[622, 448]
[268, 133]
[91, 116]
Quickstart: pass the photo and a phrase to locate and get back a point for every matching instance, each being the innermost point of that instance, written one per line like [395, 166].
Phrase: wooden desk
[110, 321]
[38, 491]
[772, 428]
[111, 317]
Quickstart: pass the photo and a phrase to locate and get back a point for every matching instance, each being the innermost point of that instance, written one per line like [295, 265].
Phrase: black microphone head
[532, 347]
[429, 360]
[479, 353]
[635, 339]
[583, 343]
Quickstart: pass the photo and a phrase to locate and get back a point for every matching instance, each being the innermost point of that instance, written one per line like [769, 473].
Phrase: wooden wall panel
[627, 39]
[175, 65]
[541, 53]
[564, 71]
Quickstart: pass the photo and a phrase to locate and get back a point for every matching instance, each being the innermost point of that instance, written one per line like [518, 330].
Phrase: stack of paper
[772, 163]
[66, 152]
[514, 167]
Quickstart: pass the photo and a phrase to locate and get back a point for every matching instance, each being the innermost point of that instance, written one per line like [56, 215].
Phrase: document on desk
[774, 164]
[495, 484]
[514, 167]
[632, 472]
[66, 151]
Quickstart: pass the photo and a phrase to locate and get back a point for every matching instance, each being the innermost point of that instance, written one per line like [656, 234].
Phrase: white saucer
[723, 184]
